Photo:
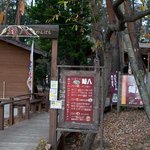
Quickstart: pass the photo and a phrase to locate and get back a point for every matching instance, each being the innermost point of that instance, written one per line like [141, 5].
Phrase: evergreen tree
[73, 18]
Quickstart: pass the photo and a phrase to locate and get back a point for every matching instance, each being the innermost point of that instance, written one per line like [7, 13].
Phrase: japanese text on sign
[79, 99]
[130, 93]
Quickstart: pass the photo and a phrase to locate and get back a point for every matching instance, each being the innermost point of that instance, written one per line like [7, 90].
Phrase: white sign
[56, 104]
[53, 94]
[54, 84]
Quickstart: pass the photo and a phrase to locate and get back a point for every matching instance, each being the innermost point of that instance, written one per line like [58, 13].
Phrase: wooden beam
[2, 117]
[11, 112]
[53, 113]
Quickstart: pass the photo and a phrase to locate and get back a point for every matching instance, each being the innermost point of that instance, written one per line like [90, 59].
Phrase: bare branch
[137, 16]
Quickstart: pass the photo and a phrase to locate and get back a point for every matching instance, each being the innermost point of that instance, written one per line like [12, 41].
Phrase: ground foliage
[127, 130]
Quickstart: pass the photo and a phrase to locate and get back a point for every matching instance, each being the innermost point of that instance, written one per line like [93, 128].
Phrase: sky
[29, 1]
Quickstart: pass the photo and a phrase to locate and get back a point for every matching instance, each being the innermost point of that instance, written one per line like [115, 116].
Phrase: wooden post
[53, 113]
[148, 63]
[119, 92]
[20, 112]
[102, 111]
[1, 117]
[27, 109]
[11, 112]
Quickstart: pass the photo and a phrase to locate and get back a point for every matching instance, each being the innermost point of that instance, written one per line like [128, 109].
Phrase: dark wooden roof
[21, 44]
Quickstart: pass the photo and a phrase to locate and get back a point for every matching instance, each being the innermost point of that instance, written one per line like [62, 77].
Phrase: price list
[79, 99]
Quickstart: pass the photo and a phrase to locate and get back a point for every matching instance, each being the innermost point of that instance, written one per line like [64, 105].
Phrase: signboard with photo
[129, 91]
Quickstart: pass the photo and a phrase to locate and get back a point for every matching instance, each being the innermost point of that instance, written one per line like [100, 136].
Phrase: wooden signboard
[49, 31]
[80, 110]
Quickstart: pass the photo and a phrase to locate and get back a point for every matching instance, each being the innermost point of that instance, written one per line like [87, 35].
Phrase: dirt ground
[127, 130]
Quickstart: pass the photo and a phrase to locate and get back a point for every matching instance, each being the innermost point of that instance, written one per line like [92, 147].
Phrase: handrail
[13, 101]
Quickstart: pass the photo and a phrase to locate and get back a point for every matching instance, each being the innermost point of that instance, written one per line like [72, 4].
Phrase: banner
[30, 76]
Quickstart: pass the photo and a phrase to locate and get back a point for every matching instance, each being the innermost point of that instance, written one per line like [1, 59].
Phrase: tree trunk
[138, 74]
[7, 8]
[136, 62]
[88, 142]
[17, 19]
[114, 38]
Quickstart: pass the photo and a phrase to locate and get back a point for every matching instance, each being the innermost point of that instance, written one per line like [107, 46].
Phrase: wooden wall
[14, 67]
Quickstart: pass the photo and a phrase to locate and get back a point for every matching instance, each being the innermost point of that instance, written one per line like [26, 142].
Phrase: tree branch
[117, 3]
[137, 16]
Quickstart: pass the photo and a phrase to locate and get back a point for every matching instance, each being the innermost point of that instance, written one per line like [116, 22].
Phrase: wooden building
[145, 50]
[14, 67]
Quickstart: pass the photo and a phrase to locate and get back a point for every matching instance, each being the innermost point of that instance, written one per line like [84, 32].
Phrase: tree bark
[114, 38]
[138, 74]
[7, 8]
[88, 142]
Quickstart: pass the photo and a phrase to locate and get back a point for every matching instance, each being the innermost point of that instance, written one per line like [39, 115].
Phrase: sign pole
[102, 111]
[53, 112]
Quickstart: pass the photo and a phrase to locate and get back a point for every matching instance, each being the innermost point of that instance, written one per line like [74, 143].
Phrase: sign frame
[75, 126]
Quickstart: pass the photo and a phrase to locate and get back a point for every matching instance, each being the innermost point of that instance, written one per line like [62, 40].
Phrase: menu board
[79, 99]
[129, 92]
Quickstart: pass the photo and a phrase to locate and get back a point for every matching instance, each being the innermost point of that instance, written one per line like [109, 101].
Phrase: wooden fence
[31, 102]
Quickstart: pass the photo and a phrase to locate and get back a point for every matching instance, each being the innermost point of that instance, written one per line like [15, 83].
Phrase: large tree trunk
[114, 38]
[132, 29]
[6, 12]
[138, 74]
[136, 63]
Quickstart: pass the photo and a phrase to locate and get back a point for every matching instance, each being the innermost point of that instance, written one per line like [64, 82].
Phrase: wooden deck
[25, 135]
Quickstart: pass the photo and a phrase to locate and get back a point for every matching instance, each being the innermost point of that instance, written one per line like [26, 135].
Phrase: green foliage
[43, 145]
[73, 18]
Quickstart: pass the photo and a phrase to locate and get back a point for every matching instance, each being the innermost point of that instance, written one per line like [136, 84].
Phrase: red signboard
[130, 94]
[79, 99]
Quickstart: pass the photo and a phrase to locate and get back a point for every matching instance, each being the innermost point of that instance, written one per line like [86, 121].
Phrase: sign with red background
[130, 94]
[79, 99]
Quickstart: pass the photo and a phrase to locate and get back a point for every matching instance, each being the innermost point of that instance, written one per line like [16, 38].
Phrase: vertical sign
[114, 87]
[79, 99]
[129, 93]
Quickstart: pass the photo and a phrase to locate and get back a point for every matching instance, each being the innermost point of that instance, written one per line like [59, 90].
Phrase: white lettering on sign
[86, 81]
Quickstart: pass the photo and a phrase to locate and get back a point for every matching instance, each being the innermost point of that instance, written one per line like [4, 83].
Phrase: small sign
[53, 90]
[54, 84]
[56, 104]
[114, 87]
[53, 94]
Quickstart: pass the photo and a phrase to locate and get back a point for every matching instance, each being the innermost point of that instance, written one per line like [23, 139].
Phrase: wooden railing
[31, 102]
